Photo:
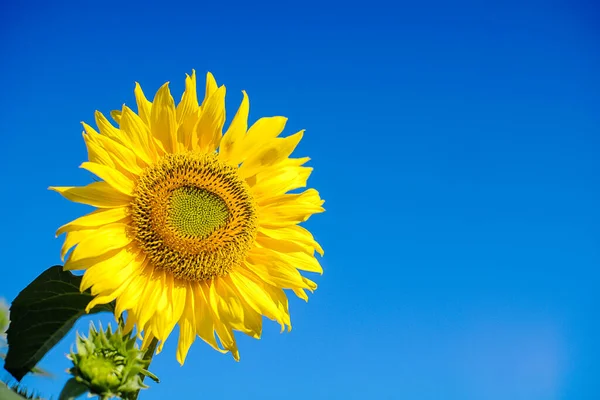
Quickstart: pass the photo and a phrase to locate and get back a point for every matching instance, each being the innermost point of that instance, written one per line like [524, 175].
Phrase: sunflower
[193, 227]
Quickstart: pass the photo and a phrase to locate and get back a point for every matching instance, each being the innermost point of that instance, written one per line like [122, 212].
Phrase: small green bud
[108, 363]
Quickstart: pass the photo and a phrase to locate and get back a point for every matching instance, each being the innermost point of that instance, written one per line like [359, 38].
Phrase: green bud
[109, 364]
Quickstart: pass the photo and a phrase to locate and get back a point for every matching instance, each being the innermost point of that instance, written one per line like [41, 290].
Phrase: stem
[148, 357]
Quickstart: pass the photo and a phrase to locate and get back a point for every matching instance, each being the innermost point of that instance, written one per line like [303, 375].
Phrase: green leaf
[4, 319]
[17, 392]
[41, 315]
[72, 390]
[7, 394]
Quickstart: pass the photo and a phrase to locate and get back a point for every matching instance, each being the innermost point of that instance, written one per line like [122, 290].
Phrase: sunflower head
[108, 364]
[194, 226]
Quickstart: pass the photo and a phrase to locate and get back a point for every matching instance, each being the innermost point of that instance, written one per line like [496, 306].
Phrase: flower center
[196, 212]
[193, 216]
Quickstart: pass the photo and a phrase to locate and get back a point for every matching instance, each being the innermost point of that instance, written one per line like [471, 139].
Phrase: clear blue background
[456, 147]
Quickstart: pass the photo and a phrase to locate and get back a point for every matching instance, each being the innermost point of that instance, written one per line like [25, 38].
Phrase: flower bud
[109, 364]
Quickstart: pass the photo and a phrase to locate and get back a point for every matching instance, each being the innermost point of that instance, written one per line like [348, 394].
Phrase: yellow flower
[193, 227]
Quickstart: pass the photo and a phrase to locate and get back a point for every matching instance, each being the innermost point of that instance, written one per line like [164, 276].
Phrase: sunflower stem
[148, 357]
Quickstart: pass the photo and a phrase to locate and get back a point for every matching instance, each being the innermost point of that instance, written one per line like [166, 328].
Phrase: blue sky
[456, 147]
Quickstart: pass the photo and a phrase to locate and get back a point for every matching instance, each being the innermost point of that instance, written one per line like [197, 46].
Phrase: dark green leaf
[35, 370]
[41, 315]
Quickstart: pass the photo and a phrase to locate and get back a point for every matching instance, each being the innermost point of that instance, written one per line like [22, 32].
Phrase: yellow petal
[189, 99]
[187, 336]
[110, 272]
[233, 139]
[163, 122]
[108, 296]
[95, 219]
[234, 310]
[251, 289]
[130, 321]
[293, 162]
[210, 125]
[148, 337]
[311, 285]
[309, 196]
[205, 327]
[280, 246]
[187, 113]
[288, 162]
[97, 194]
[132, 295]
[147, 305]
[224, 305]
[261, 132]
[100, 241]
[301, 294]
[187, 136]
[177, 300]
[279, 297]
[224, 331]
[138, 135]
[96, 153]
[211, 87]
[296, 234]
[289, 209]
[227, 338]
[273, 272]
[111, 176]
[169, 314]
[278, 181]
[286, 254]
[71, 239]
[164, 299]
[116, 115]
[144, 106]
[187, 327]
[283, 246]
[85, 263]
[122, 157]
[108, 130]
[271, 153]
[108, 285]
[87, 129]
